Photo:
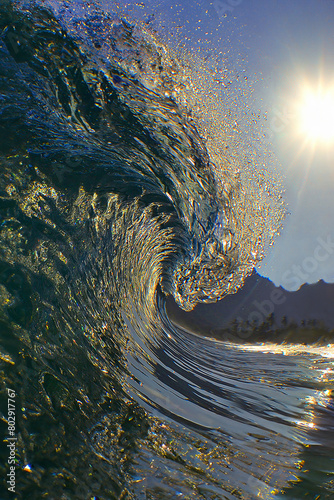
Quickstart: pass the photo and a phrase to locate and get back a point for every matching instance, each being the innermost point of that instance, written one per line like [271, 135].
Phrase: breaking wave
[123, 181]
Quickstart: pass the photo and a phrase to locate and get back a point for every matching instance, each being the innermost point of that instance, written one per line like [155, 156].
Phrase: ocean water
[124, 181]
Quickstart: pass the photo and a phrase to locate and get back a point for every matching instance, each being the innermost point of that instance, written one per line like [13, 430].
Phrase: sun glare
[317, 116]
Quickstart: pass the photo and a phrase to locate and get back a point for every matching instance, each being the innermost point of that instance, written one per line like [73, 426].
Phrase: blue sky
[290, 43]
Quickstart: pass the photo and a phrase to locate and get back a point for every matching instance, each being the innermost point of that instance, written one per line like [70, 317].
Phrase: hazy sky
[283, 47]
[290, 42]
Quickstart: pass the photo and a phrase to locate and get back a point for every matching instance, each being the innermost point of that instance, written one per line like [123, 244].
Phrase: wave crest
[140, 122]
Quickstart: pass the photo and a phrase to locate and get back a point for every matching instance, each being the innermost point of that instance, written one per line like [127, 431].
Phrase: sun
[316, 115]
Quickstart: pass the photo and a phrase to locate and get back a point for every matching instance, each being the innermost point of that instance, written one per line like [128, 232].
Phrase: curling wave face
[128, 110]
[118, 180]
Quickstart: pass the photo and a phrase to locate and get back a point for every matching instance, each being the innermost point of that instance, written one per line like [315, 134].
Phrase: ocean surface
[125, 181]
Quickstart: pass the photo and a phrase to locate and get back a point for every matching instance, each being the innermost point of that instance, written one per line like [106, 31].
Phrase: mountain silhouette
[262, 311]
